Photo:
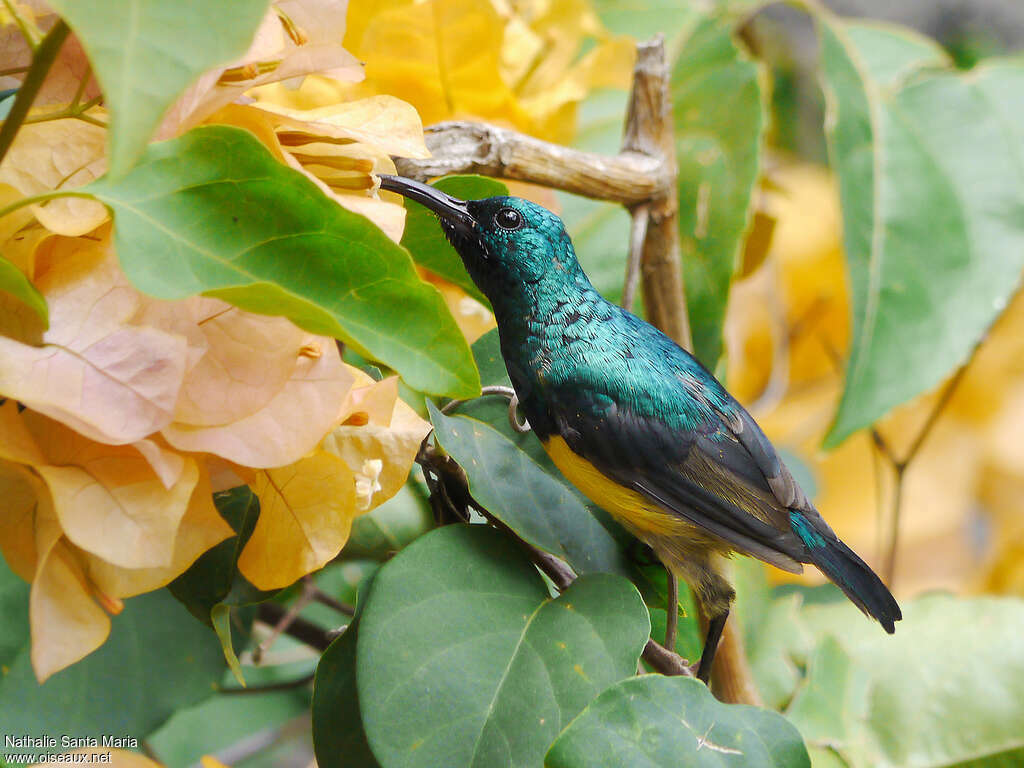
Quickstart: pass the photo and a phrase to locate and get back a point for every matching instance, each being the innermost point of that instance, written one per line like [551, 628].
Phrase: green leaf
[220, 616]
[213, 212]
[674, 721]
[145, 53]
[463, 658]
[13, 615]
[643, 19]
[223, 722]
[14, 282]
[599, 230]
[946, 689]
[490, 363]
[156, 661]
[214, 578]
[389, 527]
[339, 738]
[516, 490]
[719, 123]
[428, 245]
[493, 411]
[932, 203]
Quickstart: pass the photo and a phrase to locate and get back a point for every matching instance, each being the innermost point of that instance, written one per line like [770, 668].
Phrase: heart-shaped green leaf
[464, 659]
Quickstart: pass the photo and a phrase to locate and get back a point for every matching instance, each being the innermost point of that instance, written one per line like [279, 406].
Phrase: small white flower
[470, 307]
[368, 482]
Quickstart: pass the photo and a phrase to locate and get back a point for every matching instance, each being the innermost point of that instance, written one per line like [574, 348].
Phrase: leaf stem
[671, 609]
[22, 25]
[42, 60]
[302, 630]
[82, 85]
[285, 685]
[75, 111]
[42, 198]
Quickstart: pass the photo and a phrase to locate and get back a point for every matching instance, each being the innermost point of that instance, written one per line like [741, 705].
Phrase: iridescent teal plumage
[635, 408]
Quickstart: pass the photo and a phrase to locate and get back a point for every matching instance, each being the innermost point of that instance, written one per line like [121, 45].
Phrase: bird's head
[503, 241]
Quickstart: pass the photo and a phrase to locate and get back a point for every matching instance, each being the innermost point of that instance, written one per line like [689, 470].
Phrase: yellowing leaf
[380, 446]
[63, 78]
[389, 124]
[109, 380]
[108, 499]
[342, 171]
[286, 426]
[201, 528]
[14, 220]
[434, 55]
[306, 512]
[19, 489]
[59, 154]
[472, 317]
[66, 622]
[296, 38]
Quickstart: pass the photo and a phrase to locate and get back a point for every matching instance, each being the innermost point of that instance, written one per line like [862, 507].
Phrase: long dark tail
[848, 572]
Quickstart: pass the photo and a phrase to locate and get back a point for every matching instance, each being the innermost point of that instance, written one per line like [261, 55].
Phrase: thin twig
[900, 464]
[324, 599]
[305, 598]
[73, 111]
[900, 468]
[637, 237]
[671, 609]
[42, 60]
[82, 84]
[42, 198]
[629, 178]
[940, 406]
[22, 25]
[649, 132]
[286, 685]
[13, 71]
[299, 628]
[665, 661]
[522, 427]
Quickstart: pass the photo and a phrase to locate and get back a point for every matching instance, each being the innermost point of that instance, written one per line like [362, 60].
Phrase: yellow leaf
[108, 499]
[472, 317]
[434, 55]
[59, 154]
[66, 622]
[306, 512]
[104, 377]
[19, 489]
[342, 171]
[296, 38]
[380, 449]
[292, 398]
[14, 220]
[65, 73]
[201, 527]
[389, 124]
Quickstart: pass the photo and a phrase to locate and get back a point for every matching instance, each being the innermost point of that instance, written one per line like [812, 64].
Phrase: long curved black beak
[449, 209]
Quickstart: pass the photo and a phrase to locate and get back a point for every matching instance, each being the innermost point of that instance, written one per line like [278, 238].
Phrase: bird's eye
[509, 218]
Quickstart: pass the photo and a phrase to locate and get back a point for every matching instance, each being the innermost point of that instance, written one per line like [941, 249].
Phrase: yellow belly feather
[630, 508]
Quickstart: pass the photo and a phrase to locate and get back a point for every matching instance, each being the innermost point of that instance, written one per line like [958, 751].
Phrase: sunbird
[634, 421]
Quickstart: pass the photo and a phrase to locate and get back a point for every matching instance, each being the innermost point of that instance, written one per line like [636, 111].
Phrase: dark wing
[723, 475]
